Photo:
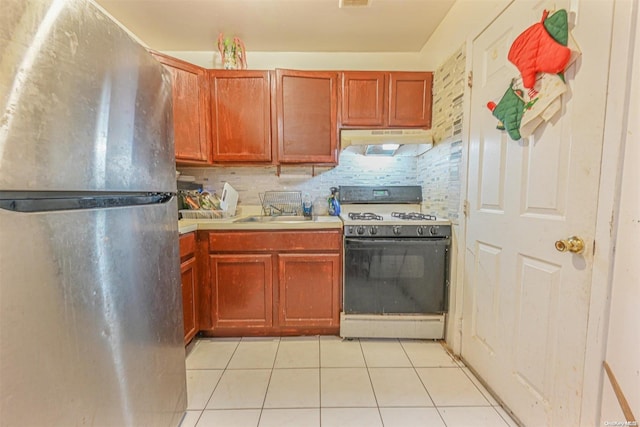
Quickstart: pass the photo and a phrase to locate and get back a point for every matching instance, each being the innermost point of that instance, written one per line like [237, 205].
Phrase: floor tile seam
[463, 406]
[266, 392]
[254, 369]
[426, 389]
[230, 409]
[232, 354]
[440, 415]
[319, 380]
[206, 369]
[199, 416]
[476, 386]
[213, 390]
[373, 390]
[280, 368]
[291, 407]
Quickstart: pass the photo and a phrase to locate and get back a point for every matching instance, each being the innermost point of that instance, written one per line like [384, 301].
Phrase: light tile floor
[326, 381]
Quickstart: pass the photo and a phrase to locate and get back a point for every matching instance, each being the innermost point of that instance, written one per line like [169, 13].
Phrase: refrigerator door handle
[26, 202]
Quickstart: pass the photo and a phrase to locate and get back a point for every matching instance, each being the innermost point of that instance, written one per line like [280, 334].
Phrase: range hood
[386, 141]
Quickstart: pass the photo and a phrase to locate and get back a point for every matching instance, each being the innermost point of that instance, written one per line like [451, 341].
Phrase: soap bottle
[334, 204]
[307, 206]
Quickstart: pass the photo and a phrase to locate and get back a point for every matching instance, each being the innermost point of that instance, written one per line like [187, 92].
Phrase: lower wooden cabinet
[189, 292]
[189, 279]
[242, 290]
[273, 283]
[309, 286]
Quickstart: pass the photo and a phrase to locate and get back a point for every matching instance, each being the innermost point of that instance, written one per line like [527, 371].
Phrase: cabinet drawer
[187, 245]
[252, 241]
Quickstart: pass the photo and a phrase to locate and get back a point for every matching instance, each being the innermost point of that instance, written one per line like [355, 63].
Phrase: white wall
[623, 341]
[465, 18]
[313, 60]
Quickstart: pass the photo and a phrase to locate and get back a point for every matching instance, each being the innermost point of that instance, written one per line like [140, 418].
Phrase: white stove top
[385, 212]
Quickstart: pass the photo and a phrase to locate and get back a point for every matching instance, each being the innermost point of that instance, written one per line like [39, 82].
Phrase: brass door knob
[572, 244]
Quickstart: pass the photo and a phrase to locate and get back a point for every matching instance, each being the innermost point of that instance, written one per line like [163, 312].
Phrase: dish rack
[281, 202]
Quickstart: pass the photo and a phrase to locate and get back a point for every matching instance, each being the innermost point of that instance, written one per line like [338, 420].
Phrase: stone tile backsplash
[353, 169]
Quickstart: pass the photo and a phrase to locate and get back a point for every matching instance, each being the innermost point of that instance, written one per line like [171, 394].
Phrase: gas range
[392, 211]
[395, 264]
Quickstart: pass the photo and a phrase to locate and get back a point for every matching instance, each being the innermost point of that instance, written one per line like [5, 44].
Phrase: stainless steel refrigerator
[90, 301]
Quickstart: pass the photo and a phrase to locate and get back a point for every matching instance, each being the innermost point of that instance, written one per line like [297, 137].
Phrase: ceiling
[282, 25]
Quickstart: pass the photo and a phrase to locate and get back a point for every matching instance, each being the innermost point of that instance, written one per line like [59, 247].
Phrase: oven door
[395, 276]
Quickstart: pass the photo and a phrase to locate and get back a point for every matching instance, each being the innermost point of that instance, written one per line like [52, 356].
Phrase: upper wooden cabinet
[190, 111]
[380, 99]
[363, 97]
[240, 116]
[306, 114]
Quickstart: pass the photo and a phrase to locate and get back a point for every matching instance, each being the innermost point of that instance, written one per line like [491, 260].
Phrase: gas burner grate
[415, 216]
[366, 216]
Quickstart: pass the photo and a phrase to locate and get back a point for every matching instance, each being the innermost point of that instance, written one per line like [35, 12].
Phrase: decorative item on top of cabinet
[386, 99]
[232, 53]
[190, 111]
[306, 113]
[189, 279]
[240, 116]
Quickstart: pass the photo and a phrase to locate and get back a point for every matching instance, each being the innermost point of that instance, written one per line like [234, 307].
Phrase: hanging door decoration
[541, 54]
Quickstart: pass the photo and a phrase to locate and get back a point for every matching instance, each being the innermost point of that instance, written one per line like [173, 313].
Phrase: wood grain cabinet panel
[363, 95]
[189, 298]
[306, 111]
[309, 287]
[274, 282]
[240, 116]
[189, 281]
[386, 99]
[190, 111]
[410, 99]
[242, 290]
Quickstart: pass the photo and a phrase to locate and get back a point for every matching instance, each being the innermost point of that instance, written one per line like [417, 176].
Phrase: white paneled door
[525, 303]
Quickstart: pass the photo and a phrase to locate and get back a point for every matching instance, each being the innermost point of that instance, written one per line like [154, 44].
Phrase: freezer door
[90, 315]
[83, 107]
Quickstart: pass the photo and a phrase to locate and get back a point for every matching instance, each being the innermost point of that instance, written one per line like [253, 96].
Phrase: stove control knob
[350, 230]
[397, 230]
[373, 230]
[360, 229]
[420, 230]
[433, 230]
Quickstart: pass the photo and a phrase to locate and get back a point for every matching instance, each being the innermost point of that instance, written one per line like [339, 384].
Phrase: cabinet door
[189, 298]
[240, 116]
[410, 99]
[190, 111]
[309, 288]
[242, 290]
[363, 98]
[306, 109]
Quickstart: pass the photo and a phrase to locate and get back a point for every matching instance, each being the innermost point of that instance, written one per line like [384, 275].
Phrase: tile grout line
[264, 399]
[219, 379]
[366, 365]
[423, 384]
[319, 382]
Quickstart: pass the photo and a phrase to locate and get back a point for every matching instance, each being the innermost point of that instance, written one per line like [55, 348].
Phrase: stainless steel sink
[276, 218]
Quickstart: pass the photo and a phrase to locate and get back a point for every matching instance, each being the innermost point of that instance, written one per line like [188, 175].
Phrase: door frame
[608, 199]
